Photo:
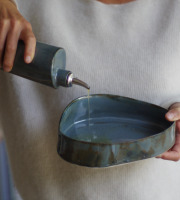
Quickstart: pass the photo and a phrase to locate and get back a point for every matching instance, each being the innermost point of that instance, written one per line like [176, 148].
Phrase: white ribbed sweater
[130, 50]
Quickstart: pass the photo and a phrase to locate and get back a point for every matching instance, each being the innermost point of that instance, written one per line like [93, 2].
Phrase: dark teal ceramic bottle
[47, 67]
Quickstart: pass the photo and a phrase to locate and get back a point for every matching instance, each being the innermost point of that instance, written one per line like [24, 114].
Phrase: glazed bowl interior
[107, 130]
[111, 119]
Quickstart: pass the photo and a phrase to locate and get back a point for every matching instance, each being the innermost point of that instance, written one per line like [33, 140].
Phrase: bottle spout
[65, 78]
[76, 81]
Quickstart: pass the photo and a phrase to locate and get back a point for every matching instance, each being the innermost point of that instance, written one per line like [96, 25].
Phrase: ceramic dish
[108, 130]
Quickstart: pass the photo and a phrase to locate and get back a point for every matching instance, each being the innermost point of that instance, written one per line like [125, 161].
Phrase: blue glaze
[120, 130]
[108, 130]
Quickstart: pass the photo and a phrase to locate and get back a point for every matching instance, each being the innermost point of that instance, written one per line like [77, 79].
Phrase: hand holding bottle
[14, 27]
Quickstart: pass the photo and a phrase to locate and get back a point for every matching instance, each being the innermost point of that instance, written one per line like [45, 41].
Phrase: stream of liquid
[109, 129]
[88, 110]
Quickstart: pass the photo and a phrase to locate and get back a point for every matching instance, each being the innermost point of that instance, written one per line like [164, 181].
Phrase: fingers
[12, 28]
[4, 26]
[174, 153]
[173, 114]
[170, 155]
[10, 48]
[30, 45]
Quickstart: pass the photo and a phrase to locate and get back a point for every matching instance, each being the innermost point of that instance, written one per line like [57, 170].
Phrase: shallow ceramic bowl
[113, 130]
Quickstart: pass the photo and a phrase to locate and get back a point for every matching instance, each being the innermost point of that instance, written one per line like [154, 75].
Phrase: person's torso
[129, 50]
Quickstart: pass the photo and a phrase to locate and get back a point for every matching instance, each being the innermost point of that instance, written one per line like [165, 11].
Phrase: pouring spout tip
[81, 83]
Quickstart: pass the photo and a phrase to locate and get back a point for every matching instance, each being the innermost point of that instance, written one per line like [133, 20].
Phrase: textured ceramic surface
[47, 67]
[114, 131]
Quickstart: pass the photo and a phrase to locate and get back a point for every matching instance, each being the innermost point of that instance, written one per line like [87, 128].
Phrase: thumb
[173, 114]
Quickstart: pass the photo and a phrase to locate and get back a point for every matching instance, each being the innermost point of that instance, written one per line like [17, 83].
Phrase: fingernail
[28, 59]
[170, 115]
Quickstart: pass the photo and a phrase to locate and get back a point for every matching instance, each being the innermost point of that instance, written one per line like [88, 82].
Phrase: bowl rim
[60, 133]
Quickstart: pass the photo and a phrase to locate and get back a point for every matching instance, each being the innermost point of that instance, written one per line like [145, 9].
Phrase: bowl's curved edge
[104, 155]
